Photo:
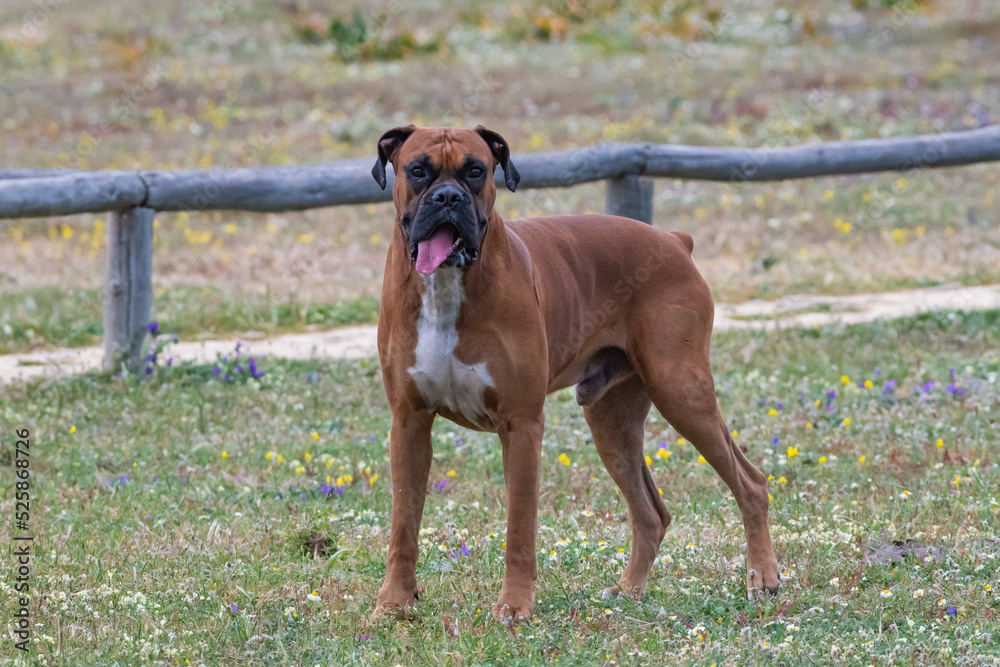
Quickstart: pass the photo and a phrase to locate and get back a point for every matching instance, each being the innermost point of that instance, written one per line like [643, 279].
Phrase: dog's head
[444, 191]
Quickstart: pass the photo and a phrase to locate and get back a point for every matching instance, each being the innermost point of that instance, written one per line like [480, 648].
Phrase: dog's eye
[475, 172]
[417, 172]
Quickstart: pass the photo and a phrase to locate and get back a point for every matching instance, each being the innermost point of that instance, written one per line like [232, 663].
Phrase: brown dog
[481, 318]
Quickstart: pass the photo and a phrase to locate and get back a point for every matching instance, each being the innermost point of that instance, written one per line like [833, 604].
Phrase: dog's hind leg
[673, 362]
[616, 421]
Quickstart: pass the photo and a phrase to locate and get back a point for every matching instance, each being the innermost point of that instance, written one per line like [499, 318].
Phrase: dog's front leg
[409, 466]
[522, 447]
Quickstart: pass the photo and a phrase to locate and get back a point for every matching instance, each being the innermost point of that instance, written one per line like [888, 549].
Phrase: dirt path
[359, 342]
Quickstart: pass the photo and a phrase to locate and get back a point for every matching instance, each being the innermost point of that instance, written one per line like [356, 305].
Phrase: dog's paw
[624, 589]
[612, 593]
[759, 582]
[512, 608]
[395, 601]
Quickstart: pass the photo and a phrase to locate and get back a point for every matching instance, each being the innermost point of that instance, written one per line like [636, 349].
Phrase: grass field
[186, 520]
[172, 83]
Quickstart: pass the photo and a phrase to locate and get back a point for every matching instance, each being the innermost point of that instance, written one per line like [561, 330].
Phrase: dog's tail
[686, 240]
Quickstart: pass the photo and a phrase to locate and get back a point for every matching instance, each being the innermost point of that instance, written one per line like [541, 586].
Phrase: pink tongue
[432, 252]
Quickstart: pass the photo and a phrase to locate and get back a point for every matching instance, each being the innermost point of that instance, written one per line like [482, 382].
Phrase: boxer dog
[482, 317]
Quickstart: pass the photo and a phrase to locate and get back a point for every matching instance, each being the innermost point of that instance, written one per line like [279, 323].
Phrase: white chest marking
[443, 380]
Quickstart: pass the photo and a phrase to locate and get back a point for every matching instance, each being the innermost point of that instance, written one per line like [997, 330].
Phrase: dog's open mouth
[436, 249]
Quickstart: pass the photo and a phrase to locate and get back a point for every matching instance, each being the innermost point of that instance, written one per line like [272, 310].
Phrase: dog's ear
[388, 144]
[501, 151]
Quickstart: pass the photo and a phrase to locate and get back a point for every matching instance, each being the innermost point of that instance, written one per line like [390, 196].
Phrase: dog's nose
[448, 195]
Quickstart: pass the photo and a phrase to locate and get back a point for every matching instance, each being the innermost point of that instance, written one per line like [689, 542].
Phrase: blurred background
[101, 84]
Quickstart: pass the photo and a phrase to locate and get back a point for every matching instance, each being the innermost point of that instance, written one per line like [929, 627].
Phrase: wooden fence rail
[33, 193]
[133, 197]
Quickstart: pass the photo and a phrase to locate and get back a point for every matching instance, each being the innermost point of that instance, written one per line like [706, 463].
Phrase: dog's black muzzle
[447, 204]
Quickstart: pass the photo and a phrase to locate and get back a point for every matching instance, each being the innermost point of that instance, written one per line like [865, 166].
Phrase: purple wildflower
[774, 440]
[153, 328]
[781, 406]
[239, 368]
[465, 550]
[234, 607]
[325, 489]
[155, 479]
[930, 384]
[952, 610]
[216, 370]
[302, 495]
[878, 371]
[122, 479]
[440, 485]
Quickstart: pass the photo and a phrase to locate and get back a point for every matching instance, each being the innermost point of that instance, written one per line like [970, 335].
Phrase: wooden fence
[133, 197]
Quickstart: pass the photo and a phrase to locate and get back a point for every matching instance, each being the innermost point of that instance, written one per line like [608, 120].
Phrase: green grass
[159, 505]
[51, 316]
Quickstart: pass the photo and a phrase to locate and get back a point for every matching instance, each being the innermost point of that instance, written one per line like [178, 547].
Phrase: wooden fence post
[630, 196]
[128, 293]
